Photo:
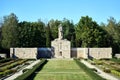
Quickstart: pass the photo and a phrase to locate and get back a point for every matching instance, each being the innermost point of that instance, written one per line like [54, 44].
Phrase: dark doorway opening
[60, 53]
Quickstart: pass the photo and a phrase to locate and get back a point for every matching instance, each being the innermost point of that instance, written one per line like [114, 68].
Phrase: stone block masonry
[23, 53]
[34, 53]
[99, 53]
[96, 53]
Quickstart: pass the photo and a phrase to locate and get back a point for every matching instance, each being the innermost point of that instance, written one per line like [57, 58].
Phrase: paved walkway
[100, 72]
[20, 72]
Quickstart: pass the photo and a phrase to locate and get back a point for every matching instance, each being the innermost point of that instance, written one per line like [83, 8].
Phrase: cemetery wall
[96, 53]
[23, 53]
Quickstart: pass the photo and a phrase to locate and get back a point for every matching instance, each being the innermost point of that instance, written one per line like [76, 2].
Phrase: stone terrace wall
[3, 55]
[79, 52]
[96, 53]
[99, 53]
[23, 53]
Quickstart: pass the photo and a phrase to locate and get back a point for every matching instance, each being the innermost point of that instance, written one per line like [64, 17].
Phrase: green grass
[61, 70]
[115, 60]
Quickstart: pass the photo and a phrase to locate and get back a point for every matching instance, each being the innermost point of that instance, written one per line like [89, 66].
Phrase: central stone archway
[61, 47]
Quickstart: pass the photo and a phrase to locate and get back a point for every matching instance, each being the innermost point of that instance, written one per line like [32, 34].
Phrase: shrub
[12, 65]
[7, 63]
[85, 59]
[99, 63]
[5, 60]
[112, 63]
[118, 63]
[115, 60]
[24, 70]
[104, 59]
[93, 69]
[116, 67]
[1, 74]
[7, 72]
[88, 71]
[93, 63]
[107, 70]
[1, 58]
[31, 59]
[27, 63]
[115, 72]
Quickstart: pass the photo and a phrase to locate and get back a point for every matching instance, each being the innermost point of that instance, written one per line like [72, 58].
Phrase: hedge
[2, 74]
[107, 70]
[5, 60]
[115, 60]
[9, 62]
[27, 74]
[12, 65]
[90, 72]
[115, 72]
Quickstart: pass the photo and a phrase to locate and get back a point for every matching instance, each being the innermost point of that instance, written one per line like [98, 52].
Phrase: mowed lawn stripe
[61, 70]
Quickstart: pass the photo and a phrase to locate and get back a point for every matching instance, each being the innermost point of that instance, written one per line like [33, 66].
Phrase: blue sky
[32, 10]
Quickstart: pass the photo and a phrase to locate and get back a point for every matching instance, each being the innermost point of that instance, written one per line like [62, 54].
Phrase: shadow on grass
[37, 70]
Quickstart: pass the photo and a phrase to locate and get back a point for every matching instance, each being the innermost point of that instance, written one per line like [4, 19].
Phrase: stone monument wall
[67, 52]
[23, 53]
[79, 52]
[96, 53]
[117, 55]
[3, 55]
[99, 53]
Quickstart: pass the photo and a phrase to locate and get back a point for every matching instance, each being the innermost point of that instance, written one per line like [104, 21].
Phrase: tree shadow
[37, 70]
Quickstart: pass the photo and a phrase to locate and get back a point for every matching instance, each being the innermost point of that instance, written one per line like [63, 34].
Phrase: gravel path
[20, 72]
[100, 72]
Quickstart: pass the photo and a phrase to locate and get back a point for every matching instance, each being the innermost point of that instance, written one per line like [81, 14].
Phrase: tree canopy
[90, 34]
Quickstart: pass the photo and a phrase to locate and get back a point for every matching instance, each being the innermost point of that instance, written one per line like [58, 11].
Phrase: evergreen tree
[48, 36]
[89, 34]
[9, 31]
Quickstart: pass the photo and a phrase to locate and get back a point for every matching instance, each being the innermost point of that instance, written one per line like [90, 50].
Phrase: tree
[54, 28]
[69, 31]
[31, 34]
[48, 36]
[113, 29]
[89, 34]
[9, 31]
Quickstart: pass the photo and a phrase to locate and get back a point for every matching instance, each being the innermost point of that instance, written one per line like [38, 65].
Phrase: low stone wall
[23, 53]
[79, 52]
[99, 53]
[96, 53]
[117, 55]
[3, 55]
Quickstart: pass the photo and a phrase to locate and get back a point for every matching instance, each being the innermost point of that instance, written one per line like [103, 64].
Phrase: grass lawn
[61, 70]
